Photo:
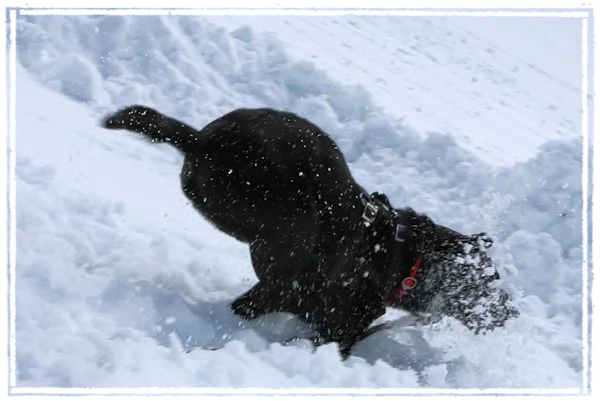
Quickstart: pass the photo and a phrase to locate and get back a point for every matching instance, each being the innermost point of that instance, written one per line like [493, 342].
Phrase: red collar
[410, 281]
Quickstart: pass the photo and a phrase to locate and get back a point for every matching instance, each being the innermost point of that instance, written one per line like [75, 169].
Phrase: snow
[117, 276]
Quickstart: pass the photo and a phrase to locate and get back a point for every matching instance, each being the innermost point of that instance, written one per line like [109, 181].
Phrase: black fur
[280, 184]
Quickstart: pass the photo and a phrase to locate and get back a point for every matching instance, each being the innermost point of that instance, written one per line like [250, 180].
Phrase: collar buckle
[399, 234]
[370, 212]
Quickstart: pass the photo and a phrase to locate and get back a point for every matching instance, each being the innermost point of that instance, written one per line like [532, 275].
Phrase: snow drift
[112, 289]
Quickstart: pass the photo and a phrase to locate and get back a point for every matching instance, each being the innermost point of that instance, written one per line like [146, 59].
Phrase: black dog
[321, 248]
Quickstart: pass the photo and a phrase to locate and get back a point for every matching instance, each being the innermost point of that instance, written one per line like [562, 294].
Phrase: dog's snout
[484, 240]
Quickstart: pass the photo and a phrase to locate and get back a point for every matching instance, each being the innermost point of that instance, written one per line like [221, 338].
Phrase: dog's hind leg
[258, 301]
[276, 263]
[290, 255]
[264, 297]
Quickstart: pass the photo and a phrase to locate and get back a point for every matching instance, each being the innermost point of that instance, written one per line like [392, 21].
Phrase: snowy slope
[117, 275]
[418, 68]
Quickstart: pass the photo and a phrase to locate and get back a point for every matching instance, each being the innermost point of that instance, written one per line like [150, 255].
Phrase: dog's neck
[393, 245]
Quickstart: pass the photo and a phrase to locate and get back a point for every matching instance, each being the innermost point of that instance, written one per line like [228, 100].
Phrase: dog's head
[470, 282]
[459, 278]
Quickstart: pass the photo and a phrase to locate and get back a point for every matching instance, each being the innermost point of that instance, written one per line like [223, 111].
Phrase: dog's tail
[155, 126]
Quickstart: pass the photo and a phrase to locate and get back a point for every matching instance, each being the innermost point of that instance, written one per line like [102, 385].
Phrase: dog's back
[261, 176]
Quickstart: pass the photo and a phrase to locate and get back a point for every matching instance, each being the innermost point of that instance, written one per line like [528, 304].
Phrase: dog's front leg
[350, 337]
[344, 314]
